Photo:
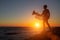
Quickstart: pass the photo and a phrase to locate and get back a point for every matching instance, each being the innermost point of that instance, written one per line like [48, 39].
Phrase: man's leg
[43, 24]
[48, 24]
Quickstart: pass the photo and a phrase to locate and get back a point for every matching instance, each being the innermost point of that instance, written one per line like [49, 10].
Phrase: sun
[37, 25]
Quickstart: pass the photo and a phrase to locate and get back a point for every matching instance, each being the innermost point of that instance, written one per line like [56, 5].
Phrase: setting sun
[37, 25]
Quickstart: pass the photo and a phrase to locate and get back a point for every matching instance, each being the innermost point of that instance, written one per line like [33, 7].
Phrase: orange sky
[19, 12]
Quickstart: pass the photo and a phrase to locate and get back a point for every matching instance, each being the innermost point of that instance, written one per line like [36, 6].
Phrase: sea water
[15, 33]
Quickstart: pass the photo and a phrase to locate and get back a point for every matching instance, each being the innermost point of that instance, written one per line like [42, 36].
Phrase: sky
[19, 12]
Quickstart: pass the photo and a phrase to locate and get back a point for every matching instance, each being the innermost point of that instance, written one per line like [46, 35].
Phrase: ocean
[15, 33]
[20, 33]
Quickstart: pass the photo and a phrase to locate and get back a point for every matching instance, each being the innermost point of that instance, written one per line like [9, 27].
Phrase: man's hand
[33, 12]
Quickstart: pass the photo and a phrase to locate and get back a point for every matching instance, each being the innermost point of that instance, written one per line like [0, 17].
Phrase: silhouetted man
[45, 14]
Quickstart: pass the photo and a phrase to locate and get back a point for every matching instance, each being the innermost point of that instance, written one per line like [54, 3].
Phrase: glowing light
[37, 25]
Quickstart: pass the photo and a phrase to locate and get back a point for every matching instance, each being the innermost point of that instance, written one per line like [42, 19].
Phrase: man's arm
[42, 13]
[38, 14]
[35, 13]
[48, 13]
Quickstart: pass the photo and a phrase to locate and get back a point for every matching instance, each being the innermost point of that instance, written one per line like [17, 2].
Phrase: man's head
[45, 6]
